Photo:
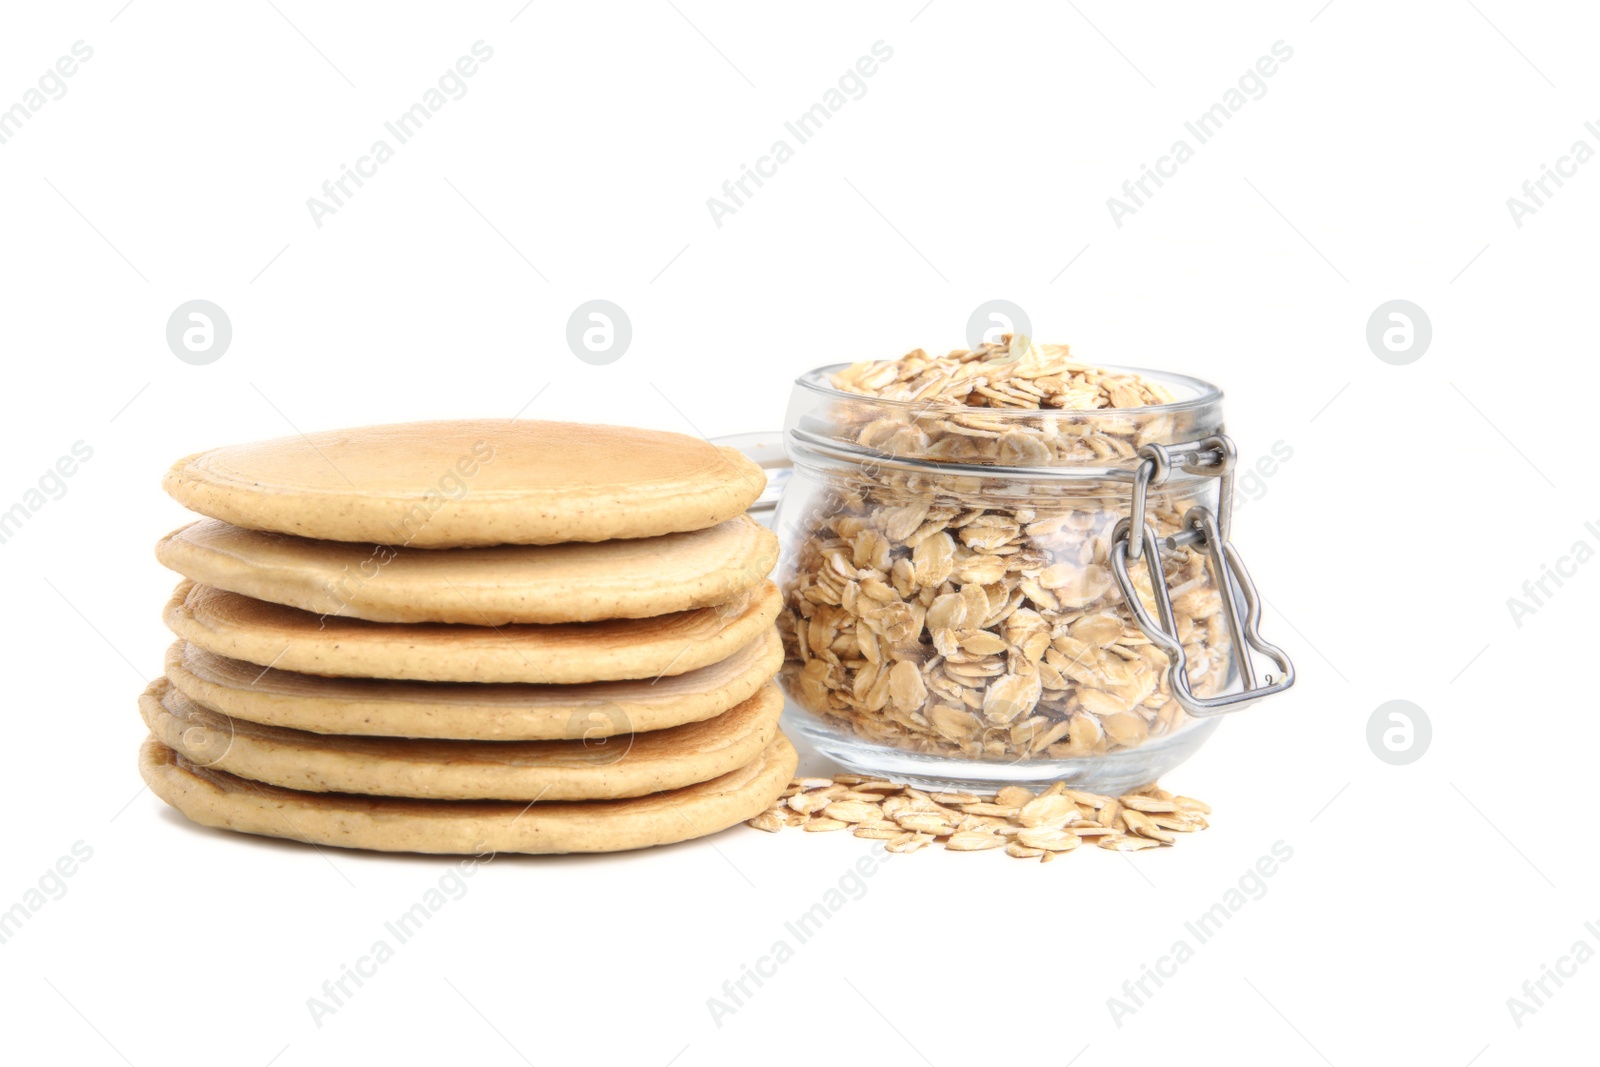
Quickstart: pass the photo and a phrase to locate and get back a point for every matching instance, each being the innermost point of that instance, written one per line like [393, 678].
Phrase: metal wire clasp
[1134, 538]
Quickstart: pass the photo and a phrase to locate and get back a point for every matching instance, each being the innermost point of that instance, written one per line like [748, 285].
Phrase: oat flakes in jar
[1003, 565]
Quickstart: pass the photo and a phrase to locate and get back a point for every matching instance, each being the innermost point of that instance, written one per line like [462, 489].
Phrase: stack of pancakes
[468, 637]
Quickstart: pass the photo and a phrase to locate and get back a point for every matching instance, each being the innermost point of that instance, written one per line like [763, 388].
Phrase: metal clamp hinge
[1134, 538]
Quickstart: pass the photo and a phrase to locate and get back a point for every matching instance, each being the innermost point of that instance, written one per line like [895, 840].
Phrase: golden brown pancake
[253, 630]
[467, 711]
[470, 482]
[489, 586]
[583, 768]
[476, 827]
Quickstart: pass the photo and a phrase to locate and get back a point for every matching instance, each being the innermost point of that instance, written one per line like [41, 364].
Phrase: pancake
[478, 586]
[470, 482]
[477, 827]
[465, 711]
[584, 768]
[242, 627]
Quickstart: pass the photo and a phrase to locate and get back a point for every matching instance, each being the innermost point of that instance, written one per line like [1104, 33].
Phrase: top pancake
[470, 482]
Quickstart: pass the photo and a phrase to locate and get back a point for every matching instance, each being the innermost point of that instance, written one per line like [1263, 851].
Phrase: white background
[977, 165]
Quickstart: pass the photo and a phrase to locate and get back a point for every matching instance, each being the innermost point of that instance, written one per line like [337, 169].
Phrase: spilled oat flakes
[1027, 825]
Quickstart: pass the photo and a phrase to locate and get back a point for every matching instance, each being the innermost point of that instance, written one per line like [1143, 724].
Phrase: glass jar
[955, 585]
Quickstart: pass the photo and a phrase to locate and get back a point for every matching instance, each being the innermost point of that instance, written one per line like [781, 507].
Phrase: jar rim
[1204, 394]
